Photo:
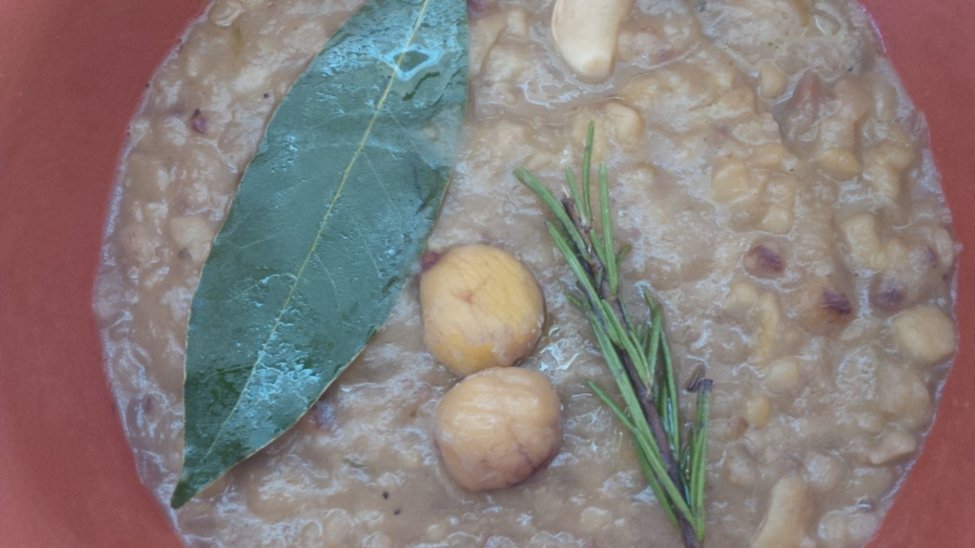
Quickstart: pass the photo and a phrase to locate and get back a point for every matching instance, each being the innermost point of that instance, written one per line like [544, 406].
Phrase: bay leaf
[328, 223]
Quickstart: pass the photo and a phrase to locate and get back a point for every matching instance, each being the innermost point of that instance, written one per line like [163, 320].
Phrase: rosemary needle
[672, 452]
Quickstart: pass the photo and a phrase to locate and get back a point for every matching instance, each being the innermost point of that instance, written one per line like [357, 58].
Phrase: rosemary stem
[687, 529]
[636, 353]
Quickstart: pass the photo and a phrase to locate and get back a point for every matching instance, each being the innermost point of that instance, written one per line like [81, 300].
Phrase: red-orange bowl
[71, 75]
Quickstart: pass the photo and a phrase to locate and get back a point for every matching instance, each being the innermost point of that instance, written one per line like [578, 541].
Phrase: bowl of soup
[793, 182]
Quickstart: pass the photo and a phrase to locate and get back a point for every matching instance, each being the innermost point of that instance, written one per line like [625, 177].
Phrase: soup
[778, 192]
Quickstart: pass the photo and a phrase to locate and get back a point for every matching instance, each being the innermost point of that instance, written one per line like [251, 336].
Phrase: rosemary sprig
[672, 454]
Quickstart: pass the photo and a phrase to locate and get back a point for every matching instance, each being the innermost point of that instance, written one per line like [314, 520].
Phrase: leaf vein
[382, 184]
[362, 238]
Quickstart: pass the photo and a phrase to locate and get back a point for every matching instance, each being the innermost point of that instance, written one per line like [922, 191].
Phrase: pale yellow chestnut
[496, 427]
[481, 308]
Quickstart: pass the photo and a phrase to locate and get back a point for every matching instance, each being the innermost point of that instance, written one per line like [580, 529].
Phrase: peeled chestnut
[496, 427]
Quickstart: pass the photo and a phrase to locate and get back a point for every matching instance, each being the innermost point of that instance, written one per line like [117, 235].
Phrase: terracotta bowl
[71, 75]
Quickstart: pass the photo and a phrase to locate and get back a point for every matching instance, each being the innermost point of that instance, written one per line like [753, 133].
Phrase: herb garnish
[672, 456]
[328, 224]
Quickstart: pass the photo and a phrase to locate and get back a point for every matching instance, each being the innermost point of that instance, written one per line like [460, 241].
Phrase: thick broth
[779, 194]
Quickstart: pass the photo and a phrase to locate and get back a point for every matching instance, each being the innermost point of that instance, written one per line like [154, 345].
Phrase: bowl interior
[71, 76]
